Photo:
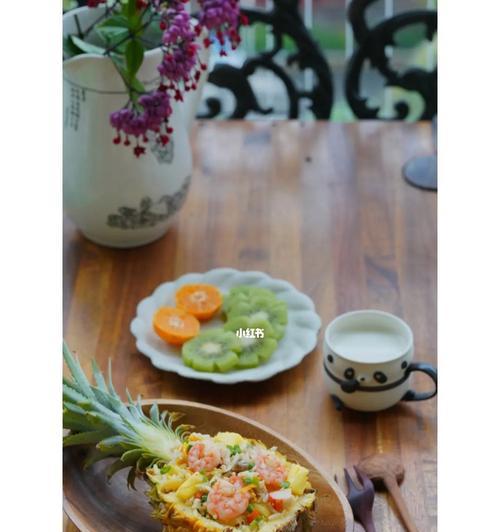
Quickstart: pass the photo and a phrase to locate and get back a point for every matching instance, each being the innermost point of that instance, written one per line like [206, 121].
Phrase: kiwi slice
[256, 350]
[273, 311]
[244, 294]
[213, 350]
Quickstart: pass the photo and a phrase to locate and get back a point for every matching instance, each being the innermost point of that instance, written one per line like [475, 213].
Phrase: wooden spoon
[386, 469]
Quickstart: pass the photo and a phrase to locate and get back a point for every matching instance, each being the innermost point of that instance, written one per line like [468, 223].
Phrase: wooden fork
[360, 498]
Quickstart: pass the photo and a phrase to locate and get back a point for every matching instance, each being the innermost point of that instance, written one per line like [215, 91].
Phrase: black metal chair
[283, 19]
[372, 46]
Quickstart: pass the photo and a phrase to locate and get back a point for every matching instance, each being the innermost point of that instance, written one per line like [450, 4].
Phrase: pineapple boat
[197, 482]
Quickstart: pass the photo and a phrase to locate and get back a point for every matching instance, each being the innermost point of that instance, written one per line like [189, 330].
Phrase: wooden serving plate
[97, 506]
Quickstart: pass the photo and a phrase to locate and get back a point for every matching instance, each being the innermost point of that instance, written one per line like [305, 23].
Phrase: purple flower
[151, 116]
[221, 17]
[180, 67]
[178, 28]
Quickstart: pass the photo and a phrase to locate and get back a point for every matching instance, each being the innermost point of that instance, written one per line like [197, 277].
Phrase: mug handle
[412, 395]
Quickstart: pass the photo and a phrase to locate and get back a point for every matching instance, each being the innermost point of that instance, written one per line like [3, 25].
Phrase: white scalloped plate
[300, 337]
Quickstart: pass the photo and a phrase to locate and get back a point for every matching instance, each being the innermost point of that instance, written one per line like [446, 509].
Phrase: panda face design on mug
[371, 375]
[367, 351]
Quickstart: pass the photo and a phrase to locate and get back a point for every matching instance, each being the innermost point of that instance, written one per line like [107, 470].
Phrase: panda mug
[368, 361]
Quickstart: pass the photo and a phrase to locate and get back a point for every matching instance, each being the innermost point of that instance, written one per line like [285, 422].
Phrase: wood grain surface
[323, 206]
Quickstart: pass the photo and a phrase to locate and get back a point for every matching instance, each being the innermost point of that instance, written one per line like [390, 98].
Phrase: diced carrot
[174, 325]
[272, 486]
[253, 515]
[277, 504]
[277, 499]
[201, 300]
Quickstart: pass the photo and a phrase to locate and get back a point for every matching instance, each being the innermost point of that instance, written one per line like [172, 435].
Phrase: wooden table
[323, 206]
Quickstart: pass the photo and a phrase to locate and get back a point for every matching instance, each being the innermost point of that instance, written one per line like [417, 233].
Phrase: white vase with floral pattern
[114, 198]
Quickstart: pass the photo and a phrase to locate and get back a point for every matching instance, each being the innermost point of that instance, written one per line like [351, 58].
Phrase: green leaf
[152, 35]
[131, 8]
[115, 21]
[137, 86]
[134, 86]
[86, 47]
[70, 49]
[69, 4]
[119, 62]
[134, 55]
[114, 36]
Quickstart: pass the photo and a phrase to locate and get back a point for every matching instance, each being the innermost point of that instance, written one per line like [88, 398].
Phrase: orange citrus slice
[200, 300]
[174, 325]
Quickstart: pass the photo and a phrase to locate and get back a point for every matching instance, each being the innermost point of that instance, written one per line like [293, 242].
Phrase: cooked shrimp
[271, 470]
[204, 456]
[226, 500]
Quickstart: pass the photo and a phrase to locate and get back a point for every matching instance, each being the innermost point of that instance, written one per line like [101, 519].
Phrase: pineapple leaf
[83, 438]
[116, 466]
[89, 423]
[72, 395]
[77, 372]
[94, 405]
[74, 422]
[112, 390]
[117, 425]
[132, 407]
[182, 431]
[131, 478]
[111, 442]
[70, 384]
[102, 397]
[72, 407]
[129, 397]
[131, 456]
[154, 414]
[99, 377]
[144, 462]
[97, 417]
[136, 408]
[95, 455]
